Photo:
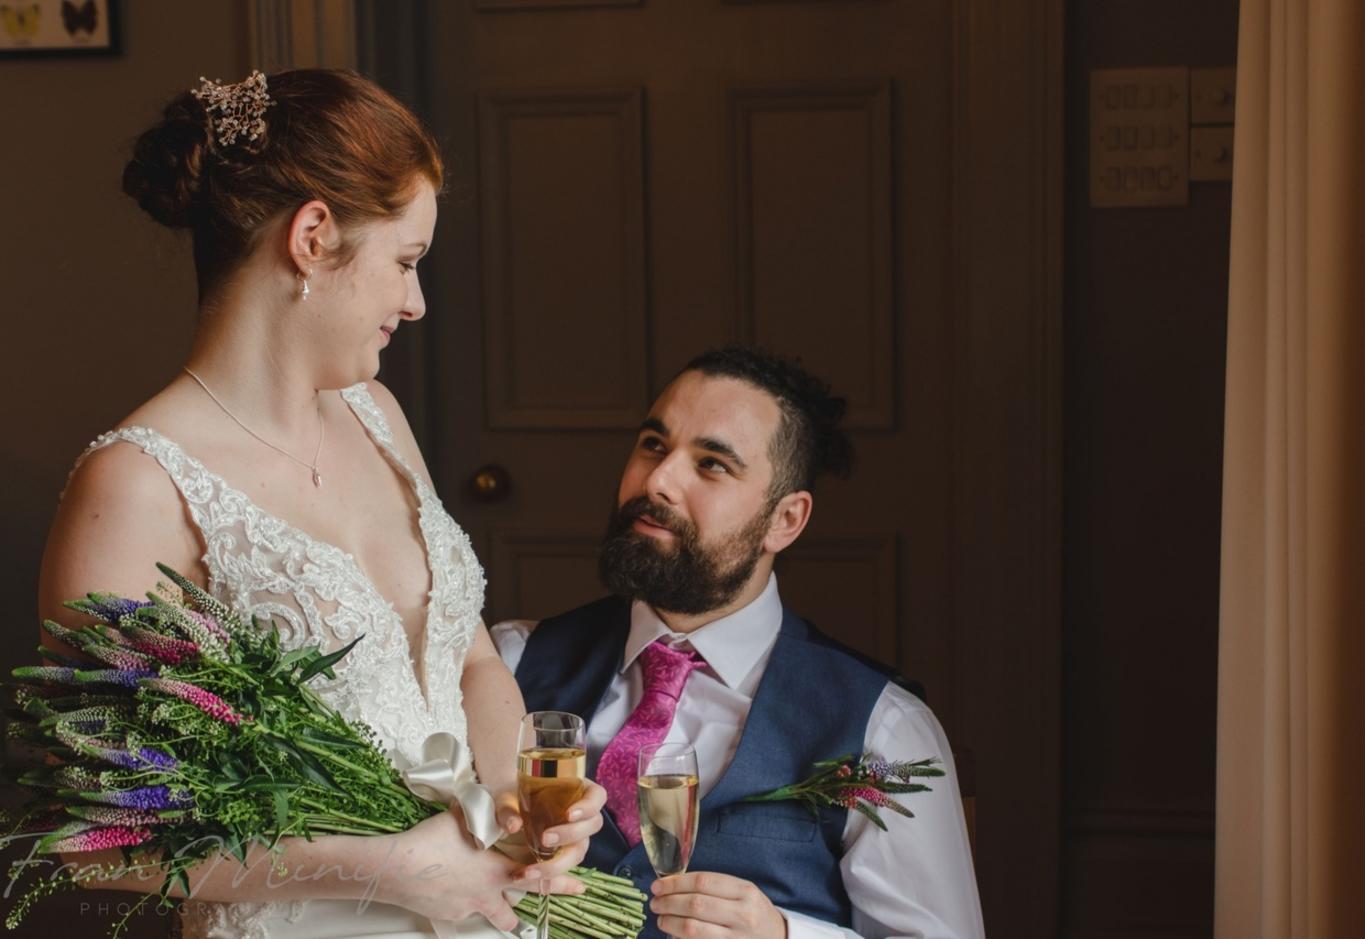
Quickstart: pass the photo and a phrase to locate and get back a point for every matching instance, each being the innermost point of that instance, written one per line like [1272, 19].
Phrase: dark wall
[98, 301]
[1146, 310]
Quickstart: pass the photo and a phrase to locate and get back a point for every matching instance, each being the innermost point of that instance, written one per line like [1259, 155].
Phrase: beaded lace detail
[318, 594]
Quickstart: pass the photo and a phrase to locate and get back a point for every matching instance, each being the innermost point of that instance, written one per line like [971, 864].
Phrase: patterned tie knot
[665, 669]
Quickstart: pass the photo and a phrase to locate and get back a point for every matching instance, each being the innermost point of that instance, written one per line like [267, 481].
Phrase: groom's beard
[688, 578]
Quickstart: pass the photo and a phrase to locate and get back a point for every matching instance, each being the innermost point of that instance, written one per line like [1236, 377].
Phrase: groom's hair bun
[328, 134]
[808, 441]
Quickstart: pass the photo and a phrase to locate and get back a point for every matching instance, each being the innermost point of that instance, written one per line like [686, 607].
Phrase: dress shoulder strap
[197, 486]
[372, 418]
[363, 404]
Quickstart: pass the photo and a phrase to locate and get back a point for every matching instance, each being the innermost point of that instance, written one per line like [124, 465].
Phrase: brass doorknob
[490, 483]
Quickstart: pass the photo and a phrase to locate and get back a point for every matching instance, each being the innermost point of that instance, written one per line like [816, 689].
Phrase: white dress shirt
[914, 880]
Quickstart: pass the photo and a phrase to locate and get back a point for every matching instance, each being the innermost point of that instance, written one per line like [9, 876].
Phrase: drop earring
[303, 285]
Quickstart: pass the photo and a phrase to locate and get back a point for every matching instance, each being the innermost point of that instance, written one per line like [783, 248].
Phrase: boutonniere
[858, 783]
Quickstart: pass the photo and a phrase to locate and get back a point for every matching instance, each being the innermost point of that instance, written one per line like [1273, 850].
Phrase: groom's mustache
[658, 513]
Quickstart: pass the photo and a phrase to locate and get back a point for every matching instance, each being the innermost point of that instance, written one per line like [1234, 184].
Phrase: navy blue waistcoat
[813, 703]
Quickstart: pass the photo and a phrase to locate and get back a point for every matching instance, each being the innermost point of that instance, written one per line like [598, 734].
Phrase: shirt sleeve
[915, 880]
[800, 926]
[509, 638]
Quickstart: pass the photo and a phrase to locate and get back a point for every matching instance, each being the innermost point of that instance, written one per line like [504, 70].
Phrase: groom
[695, 645]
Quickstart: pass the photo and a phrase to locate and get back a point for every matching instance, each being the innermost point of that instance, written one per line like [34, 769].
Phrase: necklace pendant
[317, 479]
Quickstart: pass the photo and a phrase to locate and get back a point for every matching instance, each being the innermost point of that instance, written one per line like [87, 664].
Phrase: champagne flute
[551, 764]
[668, 798]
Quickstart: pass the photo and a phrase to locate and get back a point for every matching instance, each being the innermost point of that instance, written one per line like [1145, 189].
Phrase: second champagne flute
[667, 789]
[551, 762]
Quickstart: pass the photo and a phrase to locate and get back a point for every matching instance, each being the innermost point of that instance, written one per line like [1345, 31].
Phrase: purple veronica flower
[143, 758]
[156, 758]
[147, 798]
[109, 607]
[879, 769]
[127, 677]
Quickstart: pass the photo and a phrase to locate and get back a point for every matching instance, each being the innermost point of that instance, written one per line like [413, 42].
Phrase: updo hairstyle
[330, 135]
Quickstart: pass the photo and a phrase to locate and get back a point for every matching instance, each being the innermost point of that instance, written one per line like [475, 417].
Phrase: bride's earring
[303, 285]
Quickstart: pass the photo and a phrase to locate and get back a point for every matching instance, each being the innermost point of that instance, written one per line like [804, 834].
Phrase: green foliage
[292, 765]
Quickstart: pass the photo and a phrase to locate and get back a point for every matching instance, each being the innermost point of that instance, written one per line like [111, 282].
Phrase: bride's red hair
[330, 135]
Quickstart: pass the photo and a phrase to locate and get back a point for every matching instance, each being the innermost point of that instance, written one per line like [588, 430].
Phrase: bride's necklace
[313, 466]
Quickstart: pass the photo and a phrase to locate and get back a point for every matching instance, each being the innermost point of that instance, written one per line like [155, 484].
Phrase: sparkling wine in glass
[667, 791]
[551, 762]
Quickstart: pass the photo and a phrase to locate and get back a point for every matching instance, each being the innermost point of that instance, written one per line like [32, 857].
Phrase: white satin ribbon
[446, 775]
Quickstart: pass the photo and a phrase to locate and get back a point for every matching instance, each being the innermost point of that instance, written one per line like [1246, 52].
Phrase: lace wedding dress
[318, 594]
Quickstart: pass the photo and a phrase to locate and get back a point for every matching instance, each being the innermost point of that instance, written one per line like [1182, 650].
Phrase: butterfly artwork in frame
[33, 28]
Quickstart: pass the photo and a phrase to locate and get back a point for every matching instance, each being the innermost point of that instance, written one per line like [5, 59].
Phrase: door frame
[1008, 159]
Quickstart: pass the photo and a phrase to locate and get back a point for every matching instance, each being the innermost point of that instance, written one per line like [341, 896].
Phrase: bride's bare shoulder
[120, 514]
[121, 475]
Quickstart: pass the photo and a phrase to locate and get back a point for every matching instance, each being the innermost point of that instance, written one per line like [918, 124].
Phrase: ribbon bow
[446, 775]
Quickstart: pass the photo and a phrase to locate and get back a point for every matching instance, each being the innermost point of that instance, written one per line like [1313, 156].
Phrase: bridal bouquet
[187, 731]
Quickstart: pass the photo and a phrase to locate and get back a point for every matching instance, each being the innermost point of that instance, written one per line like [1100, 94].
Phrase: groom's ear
[789, 519]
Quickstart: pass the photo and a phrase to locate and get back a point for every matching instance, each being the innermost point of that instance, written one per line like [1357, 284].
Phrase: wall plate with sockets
[1139, 146]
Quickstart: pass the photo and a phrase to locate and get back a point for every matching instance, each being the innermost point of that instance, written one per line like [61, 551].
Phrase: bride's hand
[508, 809]
[436, 869]
[585, 820]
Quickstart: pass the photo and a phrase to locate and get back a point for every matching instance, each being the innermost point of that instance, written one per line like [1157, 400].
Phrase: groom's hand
[706, 905]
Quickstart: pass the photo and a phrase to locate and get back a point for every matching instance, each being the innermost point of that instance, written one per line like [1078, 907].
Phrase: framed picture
[58, 27]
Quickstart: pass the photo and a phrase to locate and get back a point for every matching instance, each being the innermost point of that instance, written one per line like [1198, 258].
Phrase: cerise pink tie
[665, 672]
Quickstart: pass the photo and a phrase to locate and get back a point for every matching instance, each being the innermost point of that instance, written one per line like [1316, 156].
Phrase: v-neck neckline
[417, 664]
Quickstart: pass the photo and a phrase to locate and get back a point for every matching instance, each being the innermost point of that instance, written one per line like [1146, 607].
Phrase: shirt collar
[731, 645]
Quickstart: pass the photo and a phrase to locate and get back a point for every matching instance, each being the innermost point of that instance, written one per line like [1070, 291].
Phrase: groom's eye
[653, 444]
[714, 465]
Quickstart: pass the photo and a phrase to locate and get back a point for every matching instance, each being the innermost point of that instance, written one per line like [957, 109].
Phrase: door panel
[814, 248]
[563, 258]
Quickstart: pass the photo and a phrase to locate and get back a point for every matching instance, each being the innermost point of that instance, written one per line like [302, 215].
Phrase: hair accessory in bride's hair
[235, 110]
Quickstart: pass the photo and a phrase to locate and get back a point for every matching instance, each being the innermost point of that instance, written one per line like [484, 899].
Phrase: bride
[275, 471]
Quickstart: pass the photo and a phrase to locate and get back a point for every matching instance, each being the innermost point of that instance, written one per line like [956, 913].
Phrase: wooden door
[635, 181]
[647, 180]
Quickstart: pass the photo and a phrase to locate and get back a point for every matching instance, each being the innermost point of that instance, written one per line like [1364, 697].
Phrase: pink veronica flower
[98, 839]
[206, 701]
[869, 795]
[167, 649]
